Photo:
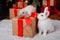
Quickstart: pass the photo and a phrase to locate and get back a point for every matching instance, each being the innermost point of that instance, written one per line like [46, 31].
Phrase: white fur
[29, 9]
[44, 23]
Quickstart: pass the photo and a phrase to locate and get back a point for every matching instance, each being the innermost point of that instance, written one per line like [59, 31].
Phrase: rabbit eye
[41, 15]
[23, 12]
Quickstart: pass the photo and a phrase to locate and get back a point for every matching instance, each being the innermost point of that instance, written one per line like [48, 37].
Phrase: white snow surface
[6, 32]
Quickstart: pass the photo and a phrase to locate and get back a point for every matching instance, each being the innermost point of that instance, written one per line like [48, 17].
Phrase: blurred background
[6, 5]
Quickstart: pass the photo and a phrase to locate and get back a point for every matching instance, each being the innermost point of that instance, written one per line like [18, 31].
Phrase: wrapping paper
[24, 27]
[21, 4]
[44, 2]
[13, 12]
[51, 2]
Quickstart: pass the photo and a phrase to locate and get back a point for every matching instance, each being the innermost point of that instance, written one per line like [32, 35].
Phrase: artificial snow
[6, 32]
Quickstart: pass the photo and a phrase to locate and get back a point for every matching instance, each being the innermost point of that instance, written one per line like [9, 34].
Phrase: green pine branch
[36, 2]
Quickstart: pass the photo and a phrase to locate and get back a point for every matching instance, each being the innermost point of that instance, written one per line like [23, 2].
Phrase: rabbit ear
[46, 12]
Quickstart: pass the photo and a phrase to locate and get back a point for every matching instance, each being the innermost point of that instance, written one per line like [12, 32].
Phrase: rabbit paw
[44, 33]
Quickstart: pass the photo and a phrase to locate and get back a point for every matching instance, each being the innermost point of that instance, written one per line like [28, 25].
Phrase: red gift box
[24, 27]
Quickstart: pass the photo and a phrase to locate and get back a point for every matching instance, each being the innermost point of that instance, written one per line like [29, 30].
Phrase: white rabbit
[44, 23]
[27, 11]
